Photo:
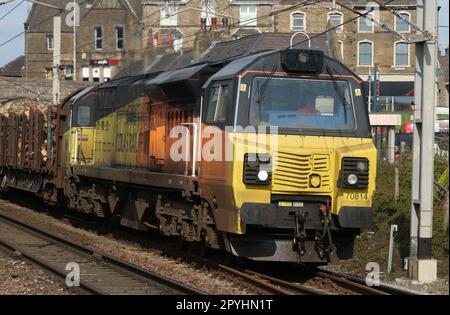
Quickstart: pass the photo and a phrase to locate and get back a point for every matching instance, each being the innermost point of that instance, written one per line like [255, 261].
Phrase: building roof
[264, 41]
[166, 62]
[227, 50]
[13, 68]
[40, 18]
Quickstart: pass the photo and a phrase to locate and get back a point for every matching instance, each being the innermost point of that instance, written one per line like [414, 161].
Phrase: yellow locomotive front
[299, 182]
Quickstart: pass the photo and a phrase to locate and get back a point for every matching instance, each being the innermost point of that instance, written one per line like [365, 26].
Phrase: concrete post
[56, 57]
[422, 267]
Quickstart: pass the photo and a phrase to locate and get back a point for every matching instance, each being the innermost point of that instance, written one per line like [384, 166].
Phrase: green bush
[389, 211]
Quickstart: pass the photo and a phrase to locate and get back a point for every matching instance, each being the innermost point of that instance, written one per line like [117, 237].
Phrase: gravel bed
[205, 279]
[18, 277]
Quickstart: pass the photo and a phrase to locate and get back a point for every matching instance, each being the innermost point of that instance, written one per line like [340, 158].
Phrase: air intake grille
[293, 170]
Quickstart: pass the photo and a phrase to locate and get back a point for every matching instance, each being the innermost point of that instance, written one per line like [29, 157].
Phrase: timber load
[23, 135]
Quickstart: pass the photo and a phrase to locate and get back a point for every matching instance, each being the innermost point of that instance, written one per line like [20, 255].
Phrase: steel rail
[359, 284]
[71, 245]
[271, 284]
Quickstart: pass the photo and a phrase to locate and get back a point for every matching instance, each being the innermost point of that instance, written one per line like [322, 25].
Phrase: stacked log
[23, 135]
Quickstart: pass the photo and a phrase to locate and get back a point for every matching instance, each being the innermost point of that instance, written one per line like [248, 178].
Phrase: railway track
[359, 285]
[272, 284]
[350, 283]
[263, 278]
[99, 273]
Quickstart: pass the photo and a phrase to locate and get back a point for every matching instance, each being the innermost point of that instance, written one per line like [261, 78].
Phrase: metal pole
[56, 57]
[423, 268]
[55, 83]
[374, 91]
[74, 74]
[391, 144]
[369, 79]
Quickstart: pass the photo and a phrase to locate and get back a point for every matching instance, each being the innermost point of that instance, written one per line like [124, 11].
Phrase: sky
[12, 25]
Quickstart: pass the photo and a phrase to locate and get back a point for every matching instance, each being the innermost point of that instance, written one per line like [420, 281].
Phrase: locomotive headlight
[303, 57]
[257, 169]
[352, 179]
[361, 166]
[263, 175]
[253, 162]
[355, 172]
[264, 158]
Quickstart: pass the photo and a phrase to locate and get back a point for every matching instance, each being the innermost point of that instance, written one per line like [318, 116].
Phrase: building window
[365, 25]
[166, 38]
[48, 73]
[208, 11]
[168, 15]
[335, 20]
[98, 39]
[365, 54]
[85, 73]
[106, 73]
[119, 37]
[401, 25]
[68, 72]
[50, 42]
[401, 54]
[247, 15]
[298, 22]
[96, 73]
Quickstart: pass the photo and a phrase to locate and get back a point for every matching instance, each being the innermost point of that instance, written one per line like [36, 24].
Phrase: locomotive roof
[176, 75]
[237, 65]
[82, 93]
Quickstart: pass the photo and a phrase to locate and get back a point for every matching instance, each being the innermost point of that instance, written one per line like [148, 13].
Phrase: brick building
[138, 31]
[108, 30]
[363, 44]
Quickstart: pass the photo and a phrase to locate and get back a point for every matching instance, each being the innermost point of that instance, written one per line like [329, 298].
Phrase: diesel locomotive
[268, 156]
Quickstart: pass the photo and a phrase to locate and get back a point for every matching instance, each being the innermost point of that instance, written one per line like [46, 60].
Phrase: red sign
[105, 62]
[113, 61]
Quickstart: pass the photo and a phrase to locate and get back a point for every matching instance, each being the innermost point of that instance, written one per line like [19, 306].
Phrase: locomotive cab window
[322, 104]
[219, 104]
[83, 115]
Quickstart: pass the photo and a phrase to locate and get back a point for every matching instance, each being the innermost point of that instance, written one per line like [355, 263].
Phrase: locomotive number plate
[356, 196]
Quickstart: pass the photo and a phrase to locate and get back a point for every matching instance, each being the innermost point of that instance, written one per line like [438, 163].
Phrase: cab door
[81, 135]
[216, 167]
